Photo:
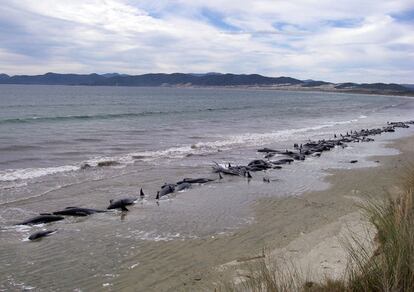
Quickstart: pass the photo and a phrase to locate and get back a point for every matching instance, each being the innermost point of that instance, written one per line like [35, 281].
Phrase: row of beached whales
[300, 152]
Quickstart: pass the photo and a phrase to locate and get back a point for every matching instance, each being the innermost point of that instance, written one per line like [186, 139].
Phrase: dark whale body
[78, 212]
[183, 186]
[165, 190]
[40, 234]
[121, 203]
[41, 219]
[195, 180]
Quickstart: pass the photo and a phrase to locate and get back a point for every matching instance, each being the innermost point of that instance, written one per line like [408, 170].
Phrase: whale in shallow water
[183, 186]
[121, 203]
[40, 234]
[195, 180]
[41, 219]
[165, 190]
[78, 212]
[201, 180]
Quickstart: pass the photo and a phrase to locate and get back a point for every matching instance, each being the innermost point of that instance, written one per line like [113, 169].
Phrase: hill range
[206, 80]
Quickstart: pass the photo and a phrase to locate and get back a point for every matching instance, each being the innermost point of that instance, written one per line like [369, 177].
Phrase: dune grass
[386, 265]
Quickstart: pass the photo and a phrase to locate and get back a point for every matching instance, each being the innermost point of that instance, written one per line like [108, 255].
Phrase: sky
[337, 41]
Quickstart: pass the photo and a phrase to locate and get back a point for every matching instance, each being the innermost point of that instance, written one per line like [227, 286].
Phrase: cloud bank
[343, 40]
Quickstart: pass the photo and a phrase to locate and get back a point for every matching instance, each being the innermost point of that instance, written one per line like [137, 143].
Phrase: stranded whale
[165, 190]
[121, 203]
[41, 219]
[40, 234]
[78, 212]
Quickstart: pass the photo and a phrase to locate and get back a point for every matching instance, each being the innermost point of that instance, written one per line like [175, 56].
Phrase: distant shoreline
[300, 89]
[214, 80]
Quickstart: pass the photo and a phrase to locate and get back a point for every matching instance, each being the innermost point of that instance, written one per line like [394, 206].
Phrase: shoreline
[308, 229]
[298, 89]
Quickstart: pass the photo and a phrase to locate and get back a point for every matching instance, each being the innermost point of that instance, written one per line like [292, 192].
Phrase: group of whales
[300, 152]
[121, 204]
[313, 148]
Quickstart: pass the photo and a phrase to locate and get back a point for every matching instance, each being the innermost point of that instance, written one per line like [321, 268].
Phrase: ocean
[153, 136]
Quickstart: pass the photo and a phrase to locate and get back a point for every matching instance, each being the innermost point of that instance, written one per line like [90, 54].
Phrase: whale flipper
[123, 208]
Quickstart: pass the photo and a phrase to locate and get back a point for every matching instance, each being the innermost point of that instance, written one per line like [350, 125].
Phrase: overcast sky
[342, 40]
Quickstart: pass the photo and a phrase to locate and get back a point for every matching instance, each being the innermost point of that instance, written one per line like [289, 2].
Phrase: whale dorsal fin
[110, 201]
[220, 176]
[158, 196]
[141, 193]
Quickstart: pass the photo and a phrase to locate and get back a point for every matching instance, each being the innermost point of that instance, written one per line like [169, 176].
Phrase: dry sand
[310, 230]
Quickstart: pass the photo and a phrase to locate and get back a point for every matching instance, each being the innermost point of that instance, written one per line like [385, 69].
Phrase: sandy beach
[309, 230]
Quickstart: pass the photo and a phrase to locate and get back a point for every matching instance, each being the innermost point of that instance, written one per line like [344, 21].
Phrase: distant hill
[158, 79]
[54, 79]
[108, 75]
[312, 83]
[205, 79]
[374, 87]
[409, 86]
[4, 76]
[204, 74]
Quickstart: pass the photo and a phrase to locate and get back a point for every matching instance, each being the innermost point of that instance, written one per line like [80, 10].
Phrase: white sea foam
[28, 173]
[156, 236]
[229, 142]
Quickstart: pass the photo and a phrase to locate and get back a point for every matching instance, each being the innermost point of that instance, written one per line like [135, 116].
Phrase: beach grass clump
[264, 276]
[386, 264]
[391, 266]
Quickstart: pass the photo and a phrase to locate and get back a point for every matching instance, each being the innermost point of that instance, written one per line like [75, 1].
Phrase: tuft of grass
[262, 276]
[387, 264]
[391, 266]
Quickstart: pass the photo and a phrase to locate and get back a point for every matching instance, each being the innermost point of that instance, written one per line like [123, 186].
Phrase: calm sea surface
[155, 135]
